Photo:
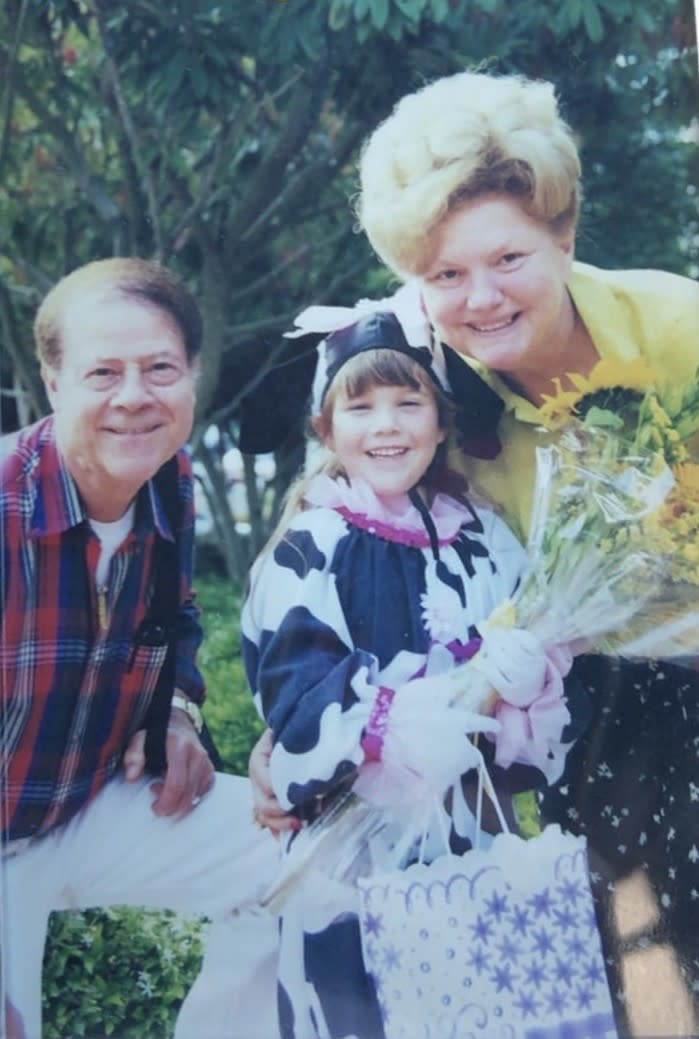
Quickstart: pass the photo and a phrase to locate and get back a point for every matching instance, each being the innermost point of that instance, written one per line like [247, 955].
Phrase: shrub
[229, 712]
[117, 972]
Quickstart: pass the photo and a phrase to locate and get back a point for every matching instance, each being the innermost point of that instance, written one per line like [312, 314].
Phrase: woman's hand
[267, 810]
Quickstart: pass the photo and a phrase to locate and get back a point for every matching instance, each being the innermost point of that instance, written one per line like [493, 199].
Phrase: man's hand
[134, 760]
[189, 774]
[13, 1022]
[267, 811]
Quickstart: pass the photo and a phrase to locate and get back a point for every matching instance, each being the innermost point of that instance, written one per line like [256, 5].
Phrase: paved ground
[659, 1005]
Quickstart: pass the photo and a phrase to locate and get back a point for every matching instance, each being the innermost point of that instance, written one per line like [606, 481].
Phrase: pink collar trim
[359, 505]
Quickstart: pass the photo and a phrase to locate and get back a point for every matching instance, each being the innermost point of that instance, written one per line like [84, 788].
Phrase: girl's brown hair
[371, 368]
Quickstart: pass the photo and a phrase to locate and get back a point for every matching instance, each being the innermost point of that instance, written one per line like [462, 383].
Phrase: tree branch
[302, 115]
[204, 194]
[306, 183]
[92, 185]
[9, 98]
[129, 129]
[220, 149]
[23, 363]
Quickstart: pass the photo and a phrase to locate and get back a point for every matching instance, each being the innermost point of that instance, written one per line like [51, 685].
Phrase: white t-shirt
[111, 536]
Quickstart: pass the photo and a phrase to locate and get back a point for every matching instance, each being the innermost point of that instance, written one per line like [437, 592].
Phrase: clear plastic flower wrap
[607, 572]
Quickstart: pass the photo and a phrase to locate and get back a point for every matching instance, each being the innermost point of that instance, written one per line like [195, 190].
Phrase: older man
[87, 534]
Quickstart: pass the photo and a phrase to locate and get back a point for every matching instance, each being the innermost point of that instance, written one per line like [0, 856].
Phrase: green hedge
[117, 972]
[230, 715]
[124, 972]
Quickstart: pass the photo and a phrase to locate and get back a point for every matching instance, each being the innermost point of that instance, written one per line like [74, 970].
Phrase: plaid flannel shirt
[75, 685]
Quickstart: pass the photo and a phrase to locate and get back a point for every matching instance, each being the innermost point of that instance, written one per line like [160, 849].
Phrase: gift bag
[499, 943]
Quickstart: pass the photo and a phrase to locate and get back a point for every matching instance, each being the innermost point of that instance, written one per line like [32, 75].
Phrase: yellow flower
[674, 529]
[503, 616]
[687, 476]
[558, 407]
[610, 373]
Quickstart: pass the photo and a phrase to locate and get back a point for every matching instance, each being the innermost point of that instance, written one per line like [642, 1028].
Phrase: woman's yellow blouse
[629, 314]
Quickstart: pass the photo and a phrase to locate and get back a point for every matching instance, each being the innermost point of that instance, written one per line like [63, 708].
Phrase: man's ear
[49, 378]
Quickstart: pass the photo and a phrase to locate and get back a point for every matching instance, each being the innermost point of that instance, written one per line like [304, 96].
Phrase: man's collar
[58, 505]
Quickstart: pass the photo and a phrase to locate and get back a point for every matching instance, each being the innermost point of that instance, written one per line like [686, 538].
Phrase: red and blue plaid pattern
[73, 692]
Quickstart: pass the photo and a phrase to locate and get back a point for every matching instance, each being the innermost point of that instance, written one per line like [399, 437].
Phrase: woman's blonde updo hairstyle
[463, 136]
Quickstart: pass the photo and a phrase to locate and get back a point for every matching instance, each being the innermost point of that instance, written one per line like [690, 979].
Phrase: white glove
[425, 746]
[514, 661]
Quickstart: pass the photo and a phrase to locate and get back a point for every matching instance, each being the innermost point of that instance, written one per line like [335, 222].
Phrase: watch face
[195, 714]
[191, 710]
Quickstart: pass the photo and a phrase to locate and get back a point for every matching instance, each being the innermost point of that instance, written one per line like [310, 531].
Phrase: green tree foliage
[222, 137]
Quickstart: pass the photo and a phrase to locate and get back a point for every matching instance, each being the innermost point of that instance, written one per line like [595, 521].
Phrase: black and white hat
[331, 336]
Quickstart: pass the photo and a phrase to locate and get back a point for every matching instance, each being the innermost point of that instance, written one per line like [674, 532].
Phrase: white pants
[116, 851]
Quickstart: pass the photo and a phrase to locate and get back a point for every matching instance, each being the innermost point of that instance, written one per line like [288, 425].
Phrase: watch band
[190, 708]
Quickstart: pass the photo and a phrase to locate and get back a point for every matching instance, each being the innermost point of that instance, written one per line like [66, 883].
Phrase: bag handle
[485, 786]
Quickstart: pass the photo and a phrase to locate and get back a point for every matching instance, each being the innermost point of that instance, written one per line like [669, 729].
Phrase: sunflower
[611, 374]
[611, 385]
[558, 407]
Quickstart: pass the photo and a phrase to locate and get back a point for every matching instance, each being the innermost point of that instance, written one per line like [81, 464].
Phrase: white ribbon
[405, 304]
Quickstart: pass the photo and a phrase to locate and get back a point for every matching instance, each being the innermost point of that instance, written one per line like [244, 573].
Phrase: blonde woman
[471, 191]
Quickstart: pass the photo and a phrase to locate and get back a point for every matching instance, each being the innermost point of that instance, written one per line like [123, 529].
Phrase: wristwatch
[190, 708]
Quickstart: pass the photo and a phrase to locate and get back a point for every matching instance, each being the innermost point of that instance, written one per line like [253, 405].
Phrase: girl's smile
[386, 436]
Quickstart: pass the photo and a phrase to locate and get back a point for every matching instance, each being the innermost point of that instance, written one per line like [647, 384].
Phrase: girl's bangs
[379, 368]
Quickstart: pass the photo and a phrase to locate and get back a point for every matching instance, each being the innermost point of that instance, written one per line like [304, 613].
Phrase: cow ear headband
[331, 336]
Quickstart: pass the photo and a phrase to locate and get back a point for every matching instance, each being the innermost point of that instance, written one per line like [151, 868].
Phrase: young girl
[381, 572]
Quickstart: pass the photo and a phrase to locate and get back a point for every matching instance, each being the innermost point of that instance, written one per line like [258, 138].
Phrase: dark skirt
[631, 786]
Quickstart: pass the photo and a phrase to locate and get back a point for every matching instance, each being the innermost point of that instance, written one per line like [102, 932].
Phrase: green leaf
[338, 16]
[439, 10]
[603, 418]
[308, 44]
[412, 9]
[645, 19]
[379, 13]
[197, 75]
[593, 21]
[174, 72]
[573, 10]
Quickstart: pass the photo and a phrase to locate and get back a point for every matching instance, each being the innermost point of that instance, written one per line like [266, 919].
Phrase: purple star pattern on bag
[372, 924]
[522, 957]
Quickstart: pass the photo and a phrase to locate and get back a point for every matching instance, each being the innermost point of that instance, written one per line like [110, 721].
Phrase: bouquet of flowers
[634, 426]
[613, 568]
